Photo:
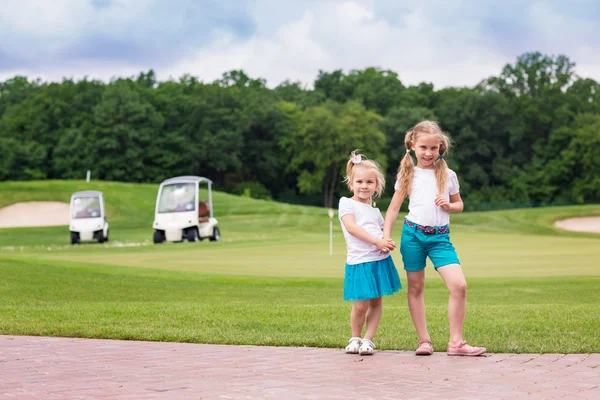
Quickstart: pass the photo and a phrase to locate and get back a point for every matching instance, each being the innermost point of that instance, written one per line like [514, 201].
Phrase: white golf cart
[88, 220]
[181, 215]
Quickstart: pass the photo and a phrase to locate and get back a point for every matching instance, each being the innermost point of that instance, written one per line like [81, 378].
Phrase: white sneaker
[366, 347]
[353, 345]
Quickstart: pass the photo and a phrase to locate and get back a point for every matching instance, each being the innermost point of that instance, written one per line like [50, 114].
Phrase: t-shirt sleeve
[453, 187]
[345, 207]
[396, 185]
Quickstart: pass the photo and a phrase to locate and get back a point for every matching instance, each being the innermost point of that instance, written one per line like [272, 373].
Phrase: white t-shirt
[369, 218]
[421, 206]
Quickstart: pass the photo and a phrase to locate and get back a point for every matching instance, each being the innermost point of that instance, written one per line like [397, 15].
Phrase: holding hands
[385, 245]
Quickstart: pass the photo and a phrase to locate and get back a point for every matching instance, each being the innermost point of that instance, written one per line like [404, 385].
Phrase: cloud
[148, 33]
[447, 43]
[437, 42]
[349, 35]
[101, 4]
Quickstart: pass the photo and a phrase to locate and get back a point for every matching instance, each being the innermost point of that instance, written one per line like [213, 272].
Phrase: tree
[15, 90]
[534, 75]
[376, 89]
[210, 127]
[259, 124]
[535, 86]
[584, 96]
[239, 79]
[21, 160]
[481, 125]
[572, 174]
[293, 92]
[323, 144]
[122, 135]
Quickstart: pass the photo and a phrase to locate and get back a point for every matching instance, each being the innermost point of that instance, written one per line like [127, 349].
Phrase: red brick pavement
[65, 368]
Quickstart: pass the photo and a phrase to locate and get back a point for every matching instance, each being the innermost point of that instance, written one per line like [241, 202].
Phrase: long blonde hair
[357, 161]
[407, 166]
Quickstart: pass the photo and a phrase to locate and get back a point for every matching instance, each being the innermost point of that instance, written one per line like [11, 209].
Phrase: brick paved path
[63, 368]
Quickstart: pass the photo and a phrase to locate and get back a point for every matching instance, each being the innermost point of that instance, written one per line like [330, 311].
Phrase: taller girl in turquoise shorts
[433, 192]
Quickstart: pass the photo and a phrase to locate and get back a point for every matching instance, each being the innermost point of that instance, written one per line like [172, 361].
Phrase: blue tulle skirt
[370, 280]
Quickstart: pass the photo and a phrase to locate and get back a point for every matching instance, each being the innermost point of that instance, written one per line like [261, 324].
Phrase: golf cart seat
[203, 210]
[83, 214]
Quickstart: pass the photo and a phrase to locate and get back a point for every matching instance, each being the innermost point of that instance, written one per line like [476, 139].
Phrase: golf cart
[181, 215]
[88, 220]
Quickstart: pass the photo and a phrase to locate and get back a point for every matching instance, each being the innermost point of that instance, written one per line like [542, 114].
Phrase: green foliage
[322, 145]
[516, 135]
[573, 171]
[254, 190]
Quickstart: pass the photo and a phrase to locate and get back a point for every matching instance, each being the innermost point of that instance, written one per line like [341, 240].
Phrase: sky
[447, 43]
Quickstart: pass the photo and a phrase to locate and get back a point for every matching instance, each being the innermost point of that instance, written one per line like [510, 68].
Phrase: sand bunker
[586, 224]
[34, 213]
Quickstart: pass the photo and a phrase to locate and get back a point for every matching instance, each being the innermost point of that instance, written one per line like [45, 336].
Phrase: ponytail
[440, 167]
[407, 167]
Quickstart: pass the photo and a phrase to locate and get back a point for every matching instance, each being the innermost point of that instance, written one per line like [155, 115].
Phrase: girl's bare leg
[357, 317]
[416, 302]
[457, 286]
[373, 317]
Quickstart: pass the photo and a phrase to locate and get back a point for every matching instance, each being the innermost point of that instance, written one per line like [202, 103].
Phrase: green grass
[271, 281]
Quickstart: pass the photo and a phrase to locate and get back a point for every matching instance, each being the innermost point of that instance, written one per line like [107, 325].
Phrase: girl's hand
[442, 202]
[391, 243]
[385, 245]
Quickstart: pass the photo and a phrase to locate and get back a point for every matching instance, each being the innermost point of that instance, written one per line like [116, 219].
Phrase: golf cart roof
[87, 193]
[188, 178]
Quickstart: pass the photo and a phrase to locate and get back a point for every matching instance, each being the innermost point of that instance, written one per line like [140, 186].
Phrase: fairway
[482, 255]
[271, 280]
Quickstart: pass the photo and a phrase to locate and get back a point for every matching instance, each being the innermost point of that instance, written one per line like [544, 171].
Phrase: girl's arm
[359, 233]
[454, 206]
[392, 214]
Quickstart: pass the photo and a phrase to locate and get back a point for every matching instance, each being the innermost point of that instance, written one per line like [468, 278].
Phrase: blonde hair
[359, 161]
[407, 166]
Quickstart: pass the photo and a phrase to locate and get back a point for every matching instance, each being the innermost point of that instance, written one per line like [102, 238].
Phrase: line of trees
[529, 135]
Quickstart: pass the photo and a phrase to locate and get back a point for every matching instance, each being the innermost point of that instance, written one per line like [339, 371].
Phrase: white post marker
[330, 212]
[87, 176]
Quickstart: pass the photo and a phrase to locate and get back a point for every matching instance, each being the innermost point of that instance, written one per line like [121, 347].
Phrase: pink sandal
[424, 348]
[463, 349]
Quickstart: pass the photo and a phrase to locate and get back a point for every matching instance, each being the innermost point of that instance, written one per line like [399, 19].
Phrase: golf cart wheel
[107, 232]
[74, 237]
[216, 236]
[159, 236]
[192, 235]
[99, 237]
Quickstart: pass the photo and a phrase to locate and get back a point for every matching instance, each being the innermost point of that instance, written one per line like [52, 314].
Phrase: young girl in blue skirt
[370, 270]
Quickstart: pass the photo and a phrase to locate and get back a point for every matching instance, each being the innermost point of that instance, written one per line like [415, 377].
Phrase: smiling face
[363, 184]
[427, 150]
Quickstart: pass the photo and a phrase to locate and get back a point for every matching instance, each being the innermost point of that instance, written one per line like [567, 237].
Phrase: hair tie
[356, 159]
[441, 156]
[408, 150]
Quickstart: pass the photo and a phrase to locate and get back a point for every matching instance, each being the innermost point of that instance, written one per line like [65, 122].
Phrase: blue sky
[456, 43]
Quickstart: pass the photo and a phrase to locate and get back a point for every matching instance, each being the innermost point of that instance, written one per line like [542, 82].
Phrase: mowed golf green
[271, 281]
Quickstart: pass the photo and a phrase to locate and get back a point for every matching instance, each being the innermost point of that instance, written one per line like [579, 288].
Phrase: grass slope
[532, 287]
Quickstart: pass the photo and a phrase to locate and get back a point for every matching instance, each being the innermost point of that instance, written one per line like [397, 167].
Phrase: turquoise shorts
[419, 242]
